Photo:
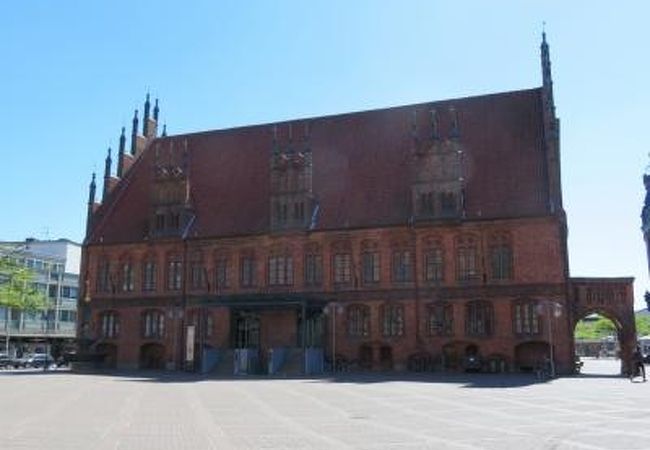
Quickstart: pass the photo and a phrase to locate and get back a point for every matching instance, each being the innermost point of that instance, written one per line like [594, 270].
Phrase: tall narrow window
[500, 257]
[247, 270]
[313, 269]
[342, 263]
[526, 318]
[149, 276]
[358, 321]
[110, 325]
[153, 324]
[479, 317]
[441, 319]
[174, 275]
[434, 264]
[197, 275]
[370, 262]
[127, 277]
[402, 266]
[222, 272]
[466, 258]
[280, 270]
[393, 320]
[103, 276]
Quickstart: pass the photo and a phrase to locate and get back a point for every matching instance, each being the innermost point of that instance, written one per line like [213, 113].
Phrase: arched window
[392, 319]
[467, 258]
[174, 273]
[479, 318]
[358, 319]
[222, 270]
[280, 268]
[441, 319]
[434, 264]
[526, 317]
[149, 274]
[500, 256]
[109, 323]
[370, 262]
[103, 276]
[313, 265]
[126, 275]
[198, 279]
[153, 324]
[342, 263]
[247, 269]
[402, 262]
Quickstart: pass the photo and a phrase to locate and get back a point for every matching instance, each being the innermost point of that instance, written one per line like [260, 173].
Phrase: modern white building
[55, 264]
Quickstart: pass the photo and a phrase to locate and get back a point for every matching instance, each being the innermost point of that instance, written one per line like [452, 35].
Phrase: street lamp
[553, 310]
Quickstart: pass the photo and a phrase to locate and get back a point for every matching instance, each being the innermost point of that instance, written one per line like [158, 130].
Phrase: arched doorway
[365, 356]
[386, 357]
[598, 343]
[152, 356]
[108, 352]
[531, 355]
[612, 298]
[454, 353]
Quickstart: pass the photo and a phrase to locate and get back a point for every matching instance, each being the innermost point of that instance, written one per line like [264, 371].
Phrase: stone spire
[91, 203]
[120, 154]
[145, 119]
[107, 173]
[547, 79]
[134, 132]
[156, 111]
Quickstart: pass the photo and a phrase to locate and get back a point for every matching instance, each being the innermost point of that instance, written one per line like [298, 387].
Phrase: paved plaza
[62, 410]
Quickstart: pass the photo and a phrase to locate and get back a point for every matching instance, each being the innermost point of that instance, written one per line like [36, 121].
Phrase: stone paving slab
[67, 411]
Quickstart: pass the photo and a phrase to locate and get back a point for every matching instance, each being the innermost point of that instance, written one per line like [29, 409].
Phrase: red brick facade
[423, 234]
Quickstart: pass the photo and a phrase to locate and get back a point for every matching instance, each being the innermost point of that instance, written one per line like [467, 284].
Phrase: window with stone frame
[526, 321]
[313, 266]
[342, 266]
[479, 318]
[174, 274]
[103, 276]
[222, 271]
[153, 324]
[402, 265]
[392, 320]
[110, 325]
[358, 321]
[467, 259]
[149, 275]
[247, 270]
[370, 262]
[280, 270]
[434, 263]
[441, 319]
[500, 249]
[198, 279]
[126, 276]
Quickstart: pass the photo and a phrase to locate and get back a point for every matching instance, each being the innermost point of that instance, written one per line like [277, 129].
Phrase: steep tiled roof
[362, 168]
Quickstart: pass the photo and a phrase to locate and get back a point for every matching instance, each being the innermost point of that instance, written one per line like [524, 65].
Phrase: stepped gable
[362, 168]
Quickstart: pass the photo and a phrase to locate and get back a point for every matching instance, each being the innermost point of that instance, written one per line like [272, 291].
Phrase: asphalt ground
[63, 410]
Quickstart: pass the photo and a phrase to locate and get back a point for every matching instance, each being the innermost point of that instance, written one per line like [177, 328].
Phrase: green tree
[18, 291]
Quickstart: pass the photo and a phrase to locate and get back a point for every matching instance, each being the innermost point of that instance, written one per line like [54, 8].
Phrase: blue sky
[73, 71]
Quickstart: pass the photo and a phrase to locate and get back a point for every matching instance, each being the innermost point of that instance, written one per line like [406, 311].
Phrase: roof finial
[156, 111]
[414, 124]
[92, 189]
[547, 80]
[145, 119]
[107, 172]
[164, 131]
[120, 153]
[455, 127]
[134, 132]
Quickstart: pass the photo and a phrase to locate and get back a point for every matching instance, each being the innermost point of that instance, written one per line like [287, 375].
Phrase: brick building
[418, 237]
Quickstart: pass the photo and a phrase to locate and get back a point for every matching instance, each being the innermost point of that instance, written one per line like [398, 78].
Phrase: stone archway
[108, 351]
[612, 298]
[152, 356]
